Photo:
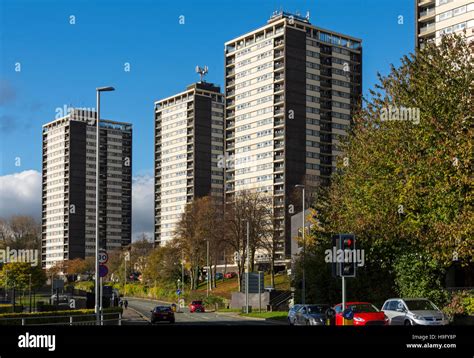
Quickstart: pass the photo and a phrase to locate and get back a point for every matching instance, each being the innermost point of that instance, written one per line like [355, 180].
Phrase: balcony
[428, 28]
[278, 157]
[279, 99]
[279, 133]
[427, 14]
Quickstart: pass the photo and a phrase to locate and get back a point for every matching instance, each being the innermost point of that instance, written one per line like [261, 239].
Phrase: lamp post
[207, 263]
[30, 292]
[247, 269]
[6, 286]
[303, 283]
[98, 308]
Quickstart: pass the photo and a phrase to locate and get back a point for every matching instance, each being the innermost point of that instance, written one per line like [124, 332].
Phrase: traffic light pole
[343, 296]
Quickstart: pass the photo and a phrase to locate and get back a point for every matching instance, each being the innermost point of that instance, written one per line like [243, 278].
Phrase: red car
[230, 275]
[365, 314]
[196, 306]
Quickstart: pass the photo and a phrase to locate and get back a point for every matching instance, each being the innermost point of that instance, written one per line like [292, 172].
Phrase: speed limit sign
[103, 257]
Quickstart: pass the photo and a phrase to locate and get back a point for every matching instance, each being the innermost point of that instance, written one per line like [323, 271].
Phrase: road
[144, 307]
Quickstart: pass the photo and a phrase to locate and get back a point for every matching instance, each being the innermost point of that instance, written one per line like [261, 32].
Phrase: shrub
[462, 304]
[420, 276]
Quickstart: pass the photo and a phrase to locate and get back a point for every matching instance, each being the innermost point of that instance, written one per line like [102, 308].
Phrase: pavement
[138, 312]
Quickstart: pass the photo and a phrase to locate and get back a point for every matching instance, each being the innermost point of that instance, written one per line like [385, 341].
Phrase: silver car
[413, 311]
[311, 315]
[292, 314]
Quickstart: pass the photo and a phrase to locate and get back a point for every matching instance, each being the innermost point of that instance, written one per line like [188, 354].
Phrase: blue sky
[62, 64]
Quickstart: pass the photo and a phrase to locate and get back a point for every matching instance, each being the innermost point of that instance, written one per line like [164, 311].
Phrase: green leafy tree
[17, 274]
[407, 188]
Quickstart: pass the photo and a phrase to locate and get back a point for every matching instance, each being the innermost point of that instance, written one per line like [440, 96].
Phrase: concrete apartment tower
[69, 177]
[435, 18]
[189, 148]
[291, 89]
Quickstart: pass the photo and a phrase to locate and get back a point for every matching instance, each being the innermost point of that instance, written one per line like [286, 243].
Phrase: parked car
[292, 313]
[413, 311]
[219, 276]
[162, 313]
[196, 306]
[311, 315]
[230, 275]
[365, 314]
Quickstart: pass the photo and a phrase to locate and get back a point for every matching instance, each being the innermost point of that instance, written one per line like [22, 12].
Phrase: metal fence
[107, 319]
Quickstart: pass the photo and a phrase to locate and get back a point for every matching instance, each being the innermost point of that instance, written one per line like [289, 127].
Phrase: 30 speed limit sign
[103, 257]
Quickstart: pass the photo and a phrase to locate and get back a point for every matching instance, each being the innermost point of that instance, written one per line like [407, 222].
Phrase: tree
[76, 266]
[200, 223]
[256, 209]
[20, 233]
[17, 274]
[407, 188]
[163, 265]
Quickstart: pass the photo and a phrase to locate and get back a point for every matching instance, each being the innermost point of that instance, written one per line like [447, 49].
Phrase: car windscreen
[420, 305]
[197, 303]
[363, 308]
[162, 309]
[315, 309]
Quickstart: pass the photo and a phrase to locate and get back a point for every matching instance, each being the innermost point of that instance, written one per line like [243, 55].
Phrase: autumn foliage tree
[406, 190]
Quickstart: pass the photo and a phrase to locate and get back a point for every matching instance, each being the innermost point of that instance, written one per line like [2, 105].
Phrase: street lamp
[303, 284]
[6, 286]
[207, 263]
[98, 308]
[247, 269]
[30, 292]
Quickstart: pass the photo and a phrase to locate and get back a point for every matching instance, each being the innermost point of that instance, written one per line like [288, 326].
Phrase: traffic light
[349, 264]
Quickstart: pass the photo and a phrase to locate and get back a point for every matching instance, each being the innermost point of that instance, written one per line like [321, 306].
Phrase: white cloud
[20, 194]
[142, 206]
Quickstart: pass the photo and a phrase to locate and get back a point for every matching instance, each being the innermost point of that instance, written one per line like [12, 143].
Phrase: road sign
[103, 257]
[178, 292]
[103, 270]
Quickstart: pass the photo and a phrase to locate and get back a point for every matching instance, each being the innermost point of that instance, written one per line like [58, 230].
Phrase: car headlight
[359, 319]
[420, 318]
[315, 321]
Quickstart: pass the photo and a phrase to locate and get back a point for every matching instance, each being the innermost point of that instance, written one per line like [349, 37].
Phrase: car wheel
[408, 322]
[290, 323]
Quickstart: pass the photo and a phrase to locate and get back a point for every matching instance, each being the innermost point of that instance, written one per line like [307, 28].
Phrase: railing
[65, 320]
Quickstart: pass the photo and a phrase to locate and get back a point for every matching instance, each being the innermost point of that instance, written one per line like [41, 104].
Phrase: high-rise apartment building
[435, 18]
[69, 186]
[291, 89]
[189, 148]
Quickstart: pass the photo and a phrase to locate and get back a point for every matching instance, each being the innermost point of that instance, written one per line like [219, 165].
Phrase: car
[219, 276]
[292, 313]
[311, 315]
[162, 313]
[365, 314]
[196, 306]
[413, 311]
[230, 275]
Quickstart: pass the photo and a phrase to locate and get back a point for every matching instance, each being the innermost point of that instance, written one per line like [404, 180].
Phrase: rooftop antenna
[202, 71]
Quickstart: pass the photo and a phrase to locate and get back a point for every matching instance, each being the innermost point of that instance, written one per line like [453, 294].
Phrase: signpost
[103, 271]
[103, 257]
